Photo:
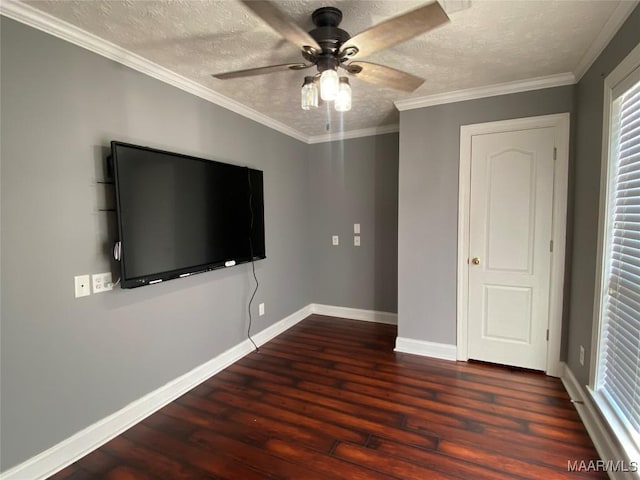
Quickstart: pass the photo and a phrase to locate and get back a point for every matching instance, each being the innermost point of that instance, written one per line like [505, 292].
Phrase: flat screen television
[179, 215]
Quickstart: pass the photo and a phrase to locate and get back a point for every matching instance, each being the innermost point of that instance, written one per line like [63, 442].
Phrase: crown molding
[518, 86]
[47, 23]
[364, 132]
[610, 28]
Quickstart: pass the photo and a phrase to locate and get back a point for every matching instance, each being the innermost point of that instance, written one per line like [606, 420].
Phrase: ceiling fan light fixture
[309, 94]
[343, 98]
[329, 85]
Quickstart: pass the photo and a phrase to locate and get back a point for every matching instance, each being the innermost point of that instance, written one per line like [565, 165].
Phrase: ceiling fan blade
[397, 29]
[250, 72]
[384, 76]
[277, 20]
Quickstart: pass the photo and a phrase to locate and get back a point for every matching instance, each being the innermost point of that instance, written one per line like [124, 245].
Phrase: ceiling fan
[330, 48]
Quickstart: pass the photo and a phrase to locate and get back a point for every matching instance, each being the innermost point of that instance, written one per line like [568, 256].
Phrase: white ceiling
[486, 43]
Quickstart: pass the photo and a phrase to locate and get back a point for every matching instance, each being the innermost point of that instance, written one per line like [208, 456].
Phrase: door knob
[475, 261]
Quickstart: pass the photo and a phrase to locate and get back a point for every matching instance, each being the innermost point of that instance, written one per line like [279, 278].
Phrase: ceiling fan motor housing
[327, 33]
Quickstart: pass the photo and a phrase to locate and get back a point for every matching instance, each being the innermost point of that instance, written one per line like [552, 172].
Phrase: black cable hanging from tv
[253, 264]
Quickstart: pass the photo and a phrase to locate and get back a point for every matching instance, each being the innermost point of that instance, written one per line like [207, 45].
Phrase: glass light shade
[329, 85]
[343, 99]
[309, 94]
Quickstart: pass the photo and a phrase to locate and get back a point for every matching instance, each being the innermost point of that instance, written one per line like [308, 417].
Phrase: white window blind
[619, 362]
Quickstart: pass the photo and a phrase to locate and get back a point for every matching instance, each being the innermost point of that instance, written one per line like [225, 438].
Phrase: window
[616, 380]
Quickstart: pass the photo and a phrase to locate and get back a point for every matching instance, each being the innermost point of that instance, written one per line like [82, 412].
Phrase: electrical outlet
[83, 285]
[581, 355]
[356, 240]
[101, 282]
[261, 309]
[335, 240]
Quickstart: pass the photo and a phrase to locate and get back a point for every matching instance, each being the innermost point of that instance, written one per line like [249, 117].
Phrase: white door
[511, 204]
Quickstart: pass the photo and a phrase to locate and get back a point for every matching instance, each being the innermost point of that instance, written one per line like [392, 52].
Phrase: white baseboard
[85, 441]
[603, 440]
[443, 351]
[355, 313]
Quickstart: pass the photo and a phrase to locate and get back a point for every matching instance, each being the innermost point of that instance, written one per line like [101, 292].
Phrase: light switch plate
[101, 282]
[335, 240]
[83, 285]
[356, 240]
[356, 228]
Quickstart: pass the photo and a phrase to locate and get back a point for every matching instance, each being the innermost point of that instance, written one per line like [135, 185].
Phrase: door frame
[558, 233]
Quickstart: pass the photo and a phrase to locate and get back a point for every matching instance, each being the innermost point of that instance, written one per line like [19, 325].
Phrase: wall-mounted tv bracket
[109, 168]
[109, 173]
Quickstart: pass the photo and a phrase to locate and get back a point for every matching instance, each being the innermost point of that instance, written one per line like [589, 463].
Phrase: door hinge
[551, 246]
[555, 153]
[547, 334]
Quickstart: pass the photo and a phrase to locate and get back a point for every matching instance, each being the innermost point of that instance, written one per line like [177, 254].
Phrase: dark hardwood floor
[329, 399]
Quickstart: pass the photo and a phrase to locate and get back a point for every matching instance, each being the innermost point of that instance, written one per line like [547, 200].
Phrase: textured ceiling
[486, 42]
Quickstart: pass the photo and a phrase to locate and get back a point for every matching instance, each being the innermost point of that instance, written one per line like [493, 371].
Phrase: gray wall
[428, 203]
[68, 362]
[355, 181]
[588, 147]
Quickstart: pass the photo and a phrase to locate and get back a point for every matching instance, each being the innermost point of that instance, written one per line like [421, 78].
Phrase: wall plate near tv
[179, 215]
